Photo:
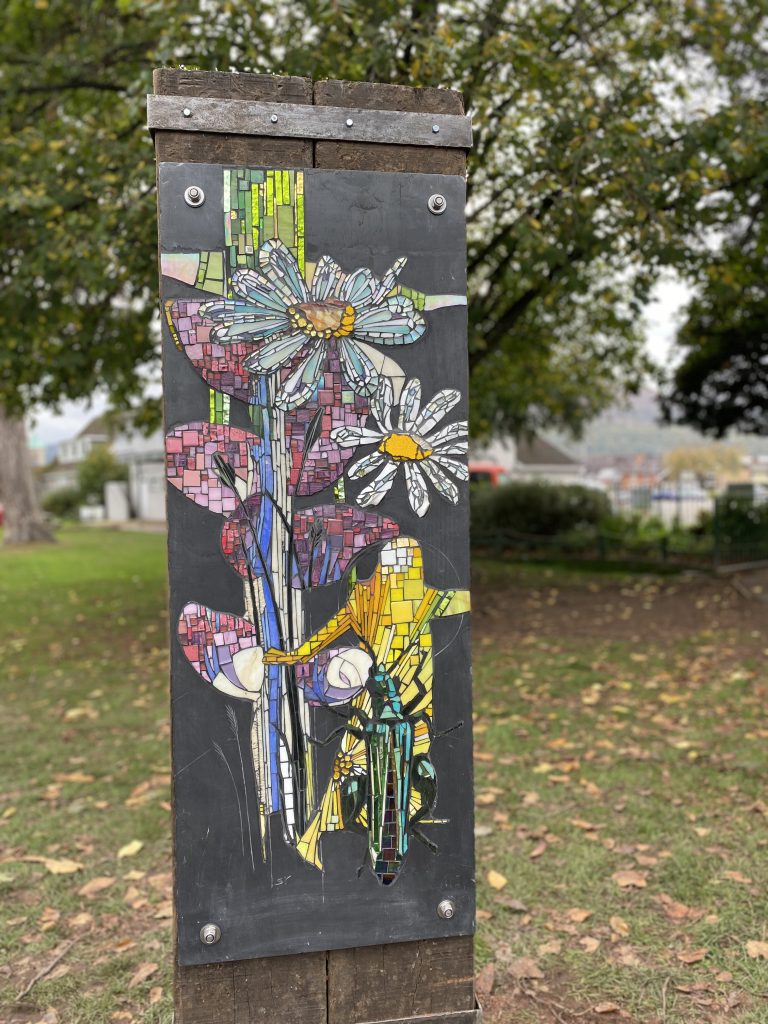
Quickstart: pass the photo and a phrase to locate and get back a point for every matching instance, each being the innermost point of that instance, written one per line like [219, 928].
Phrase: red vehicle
[486, 473]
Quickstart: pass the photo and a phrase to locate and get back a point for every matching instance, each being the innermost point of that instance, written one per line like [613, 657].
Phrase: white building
[144, 492]
[531, 460]
[63, 471]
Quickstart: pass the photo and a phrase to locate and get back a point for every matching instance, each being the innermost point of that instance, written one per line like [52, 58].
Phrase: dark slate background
[286, 906]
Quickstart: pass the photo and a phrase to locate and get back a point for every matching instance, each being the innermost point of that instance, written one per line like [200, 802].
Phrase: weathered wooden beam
[373, 156]
[225, 147]
[304, 121]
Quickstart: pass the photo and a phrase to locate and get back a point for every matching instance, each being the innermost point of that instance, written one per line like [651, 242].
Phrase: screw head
[194, 196]
[435, 128]
[349, 122]
[437, 203]
[446, 909]
[273, 118]
[187, 112]
[210, 934]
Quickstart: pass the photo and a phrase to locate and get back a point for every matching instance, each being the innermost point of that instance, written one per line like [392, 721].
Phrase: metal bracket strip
[296, 120]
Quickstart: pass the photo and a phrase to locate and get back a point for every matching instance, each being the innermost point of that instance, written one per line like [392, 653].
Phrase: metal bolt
[210, 934]
[194, 196]
[446, 909]
[349, 122]
[187, 112]
[273, 119]
[437, 203]
[435, 128]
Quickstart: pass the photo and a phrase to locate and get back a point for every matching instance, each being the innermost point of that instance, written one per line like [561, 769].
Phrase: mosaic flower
[296, 324]
[411, 441]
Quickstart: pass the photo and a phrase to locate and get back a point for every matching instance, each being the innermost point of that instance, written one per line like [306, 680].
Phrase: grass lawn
[622, 828]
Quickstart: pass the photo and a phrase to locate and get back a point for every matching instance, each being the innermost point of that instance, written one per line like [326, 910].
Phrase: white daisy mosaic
[412, 440]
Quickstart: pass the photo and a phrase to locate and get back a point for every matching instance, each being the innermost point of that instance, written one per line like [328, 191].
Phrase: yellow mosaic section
[390, 613]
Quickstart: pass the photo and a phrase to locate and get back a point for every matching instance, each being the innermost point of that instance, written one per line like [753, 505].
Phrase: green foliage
[98, 468]
[722, 380]
[600, 158]
[63, 503]
[742, 523]
[536, 509]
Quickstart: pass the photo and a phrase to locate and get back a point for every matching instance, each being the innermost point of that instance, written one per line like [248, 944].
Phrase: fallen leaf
[629, 879]
[589, 944]
[142, 972]
[736, 876]
[485, 980]
[49, 918]
[525, 967]
[538, 850]
[155, 995]
[483, 915]
[577, 914]
[73, 777]
[692, 956]
[496, 880]
[605, 1008]
[164, 910]
[130, 849]
[95, 886]
[553, 946]
[481, 831]
[675, 911]
[757, 950]
[530, 799]
[81, 920]
[56, 867]
[516, 906]
[619, 925]
[485, 799]
[49, 1017]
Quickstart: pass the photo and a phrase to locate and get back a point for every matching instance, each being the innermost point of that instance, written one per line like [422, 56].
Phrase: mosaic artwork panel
[332, 674]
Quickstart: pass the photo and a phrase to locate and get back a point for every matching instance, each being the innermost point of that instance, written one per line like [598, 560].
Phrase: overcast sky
[662, 318]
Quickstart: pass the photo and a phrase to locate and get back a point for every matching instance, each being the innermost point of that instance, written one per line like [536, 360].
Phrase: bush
[63, 503]
[741, 522]
[95, 471]
[536, 509]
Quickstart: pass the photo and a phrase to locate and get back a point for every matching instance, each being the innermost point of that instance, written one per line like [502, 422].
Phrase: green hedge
[535, 509]
[63, 503]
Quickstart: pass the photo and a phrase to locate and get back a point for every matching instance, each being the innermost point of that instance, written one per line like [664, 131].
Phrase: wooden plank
[400, 980]
[371, 156]
[224, 148]
[305, 121]
[280, 989]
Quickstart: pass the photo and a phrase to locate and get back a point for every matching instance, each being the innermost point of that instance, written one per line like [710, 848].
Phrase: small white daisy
[412, 442]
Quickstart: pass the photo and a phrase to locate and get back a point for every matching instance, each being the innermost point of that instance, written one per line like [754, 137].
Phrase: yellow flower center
[342, 766]
[404, 448]
[332, 319]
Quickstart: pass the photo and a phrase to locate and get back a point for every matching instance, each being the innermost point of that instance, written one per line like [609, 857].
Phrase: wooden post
[429, 980]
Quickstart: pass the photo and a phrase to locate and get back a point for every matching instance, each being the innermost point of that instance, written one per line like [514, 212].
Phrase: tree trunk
[24, 520]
